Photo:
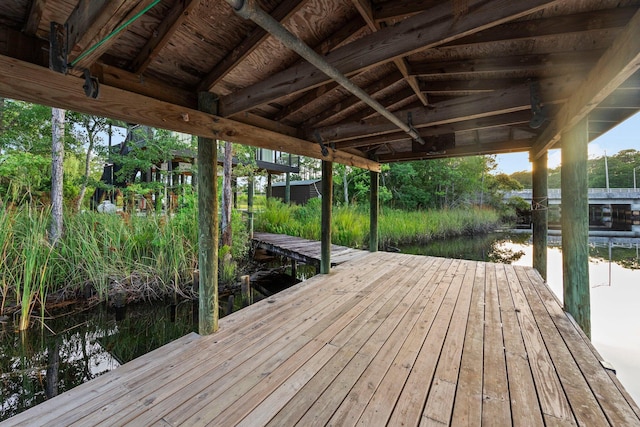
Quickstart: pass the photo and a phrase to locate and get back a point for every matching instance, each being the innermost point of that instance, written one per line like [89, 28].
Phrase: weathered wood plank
[495, 390]
[467, 408]
[336, 335]
[351, 407]
[553, 400]
[381, 406]
[411, 401]
[331, 380]
[615, 406]
[525, 407]
[439, 403]
[583, 403]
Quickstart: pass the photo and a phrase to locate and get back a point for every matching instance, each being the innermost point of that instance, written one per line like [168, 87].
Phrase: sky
[622, 137]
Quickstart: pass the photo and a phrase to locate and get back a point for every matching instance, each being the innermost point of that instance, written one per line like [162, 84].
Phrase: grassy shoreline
[350, 225]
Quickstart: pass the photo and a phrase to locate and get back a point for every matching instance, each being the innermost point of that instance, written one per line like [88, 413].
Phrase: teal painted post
[374, 201]
[327, 199]
[540, 214]
[207, 226]
[575, 225]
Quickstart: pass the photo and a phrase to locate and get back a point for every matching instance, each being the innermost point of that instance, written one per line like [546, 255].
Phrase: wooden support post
[327, 198]
[245, 290]
[269, 187]
[575, 225]
[250, 204]
[207, 226]
[294, 268]
[287, 189]
[373, 211]
[540, 214]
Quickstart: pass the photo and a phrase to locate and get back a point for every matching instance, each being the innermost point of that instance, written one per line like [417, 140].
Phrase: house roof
[297, 183]
[468, 76]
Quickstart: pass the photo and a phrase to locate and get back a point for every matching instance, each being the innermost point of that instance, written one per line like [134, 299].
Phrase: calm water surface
[614, 275]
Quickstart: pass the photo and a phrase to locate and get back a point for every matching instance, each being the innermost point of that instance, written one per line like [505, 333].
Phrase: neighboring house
[301, 191]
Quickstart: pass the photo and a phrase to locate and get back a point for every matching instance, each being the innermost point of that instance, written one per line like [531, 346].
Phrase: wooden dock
[303, 250]
[387, 339]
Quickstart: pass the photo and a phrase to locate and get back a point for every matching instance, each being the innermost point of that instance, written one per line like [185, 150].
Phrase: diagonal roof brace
[248, 9]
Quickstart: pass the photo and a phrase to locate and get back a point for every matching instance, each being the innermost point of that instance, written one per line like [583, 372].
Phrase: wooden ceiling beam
[398, 9]
[497, 147]
[16, 44]
[162, 34]
[365, 9]
[282, 12]
[388, 102]
[617, 64]
[147, 86]
[326, 46]
[33, 83]
[507, 64]
[551, 26]
[466, 87]
[35, 17]
[305, 100]
[91, 22]
[510, 119]
[350, 101]
[426, 30]
[458, 109]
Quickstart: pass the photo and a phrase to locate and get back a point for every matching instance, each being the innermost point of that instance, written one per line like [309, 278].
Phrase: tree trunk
[227, 201]
[57, 159]
[87, 164]
[345, 186]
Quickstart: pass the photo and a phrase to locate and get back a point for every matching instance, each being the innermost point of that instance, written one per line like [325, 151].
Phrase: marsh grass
[350, 225]
[100, 256]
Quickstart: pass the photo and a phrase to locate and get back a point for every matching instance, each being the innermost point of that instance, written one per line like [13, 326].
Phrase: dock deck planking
[525, 408]
[467, 406]
[386, 339]
[304, 250]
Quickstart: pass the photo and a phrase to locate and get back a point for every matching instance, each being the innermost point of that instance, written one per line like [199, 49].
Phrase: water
[72, 349]
[614, 275]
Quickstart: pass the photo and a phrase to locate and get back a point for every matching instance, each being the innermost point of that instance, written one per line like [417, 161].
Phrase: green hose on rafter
[113, 33]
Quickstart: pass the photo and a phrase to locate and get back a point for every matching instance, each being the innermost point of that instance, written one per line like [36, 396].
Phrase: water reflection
[488, 247]
[72, 349]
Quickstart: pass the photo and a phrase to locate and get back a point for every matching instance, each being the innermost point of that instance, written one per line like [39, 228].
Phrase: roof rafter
[428, 29]
[364, 7]
[496, 147]
[617, 64]
[281, 13]
[545, 62]
[509, 119]
[516, 98]
[350, 101]
[35, 17]
[92, 21]
[169, 25]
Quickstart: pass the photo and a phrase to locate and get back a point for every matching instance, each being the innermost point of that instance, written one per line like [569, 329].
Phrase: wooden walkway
[303, 250]
[387, 339]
